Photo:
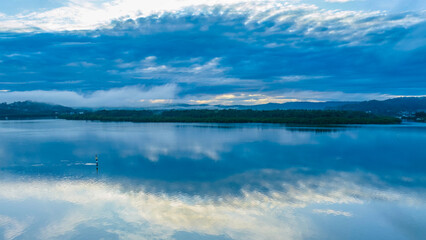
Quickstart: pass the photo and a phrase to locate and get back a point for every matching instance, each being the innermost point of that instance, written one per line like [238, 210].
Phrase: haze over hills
[390, 107]
[292, 106]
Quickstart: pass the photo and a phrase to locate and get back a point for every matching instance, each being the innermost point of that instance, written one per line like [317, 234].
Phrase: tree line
[236, 116]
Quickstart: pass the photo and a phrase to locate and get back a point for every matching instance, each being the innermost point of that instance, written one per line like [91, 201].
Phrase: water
[211, 181]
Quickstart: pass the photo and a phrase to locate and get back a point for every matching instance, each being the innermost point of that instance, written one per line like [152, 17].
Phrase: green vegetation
[236, 116]
[390, 107]
[31, 110]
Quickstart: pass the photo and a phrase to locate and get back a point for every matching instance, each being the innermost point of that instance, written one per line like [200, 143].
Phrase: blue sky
[138, 53]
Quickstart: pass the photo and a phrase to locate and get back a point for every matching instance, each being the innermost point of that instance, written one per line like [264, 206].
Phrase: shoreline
[297, 117]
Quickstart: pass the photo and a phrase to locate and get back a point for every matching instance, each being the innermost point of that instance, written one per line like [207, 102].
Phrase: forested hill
[28, 109]
[392, 107]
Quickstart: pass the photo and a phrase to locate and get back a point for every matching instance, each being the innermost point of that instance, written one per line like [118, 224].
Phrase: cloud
[296, 78]
[339, 1]
[118, 97]
[138, 96]
[163, 95]
[81, 64]
[83, 15]
[205, 73]
[86, 15]
[265, 48]
[333, 212]
[13, 228]
[255, 98]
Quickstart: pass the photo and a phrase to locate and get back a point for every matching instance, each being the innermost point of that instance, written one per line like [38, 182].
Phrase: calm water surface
[211, 181]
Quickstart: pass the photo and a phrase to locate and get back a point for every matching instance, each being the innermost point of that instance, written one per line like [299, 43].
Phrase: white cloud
[163, 95]
[205, 73]
[129, 96]
[339, 1]
[81, 15]
[341, 25]
[255, 98]
[240, 99]
[15, 55]
[333, 212]
[297, 78]
[81, 64]
[12, 227]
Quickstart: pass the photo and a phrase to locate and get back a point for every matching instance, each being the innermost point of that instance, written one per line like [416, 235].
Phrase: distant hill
[291, 106]
[404, 107]
[394, 106]
[29, 109]
[391, 107]
[268, 106]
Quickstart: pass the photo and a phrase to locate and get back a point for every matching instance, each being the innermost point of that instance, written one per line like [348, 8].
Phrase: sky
[133, 53]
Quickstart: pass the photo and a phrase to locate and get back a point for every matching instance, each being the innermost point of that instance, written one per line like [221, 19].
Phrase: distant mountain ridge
[291, 106]
[392, 107]
[29, 109]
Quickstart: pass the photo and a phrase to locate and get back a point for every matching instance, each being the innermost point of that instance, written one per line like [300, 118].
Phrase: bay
[211, 181]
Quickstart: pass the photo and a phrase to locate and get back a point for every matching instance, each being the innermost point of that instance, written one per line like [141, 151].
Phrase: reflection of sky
[305, 210]
[209, 181]
[207, 152]
[148, 140]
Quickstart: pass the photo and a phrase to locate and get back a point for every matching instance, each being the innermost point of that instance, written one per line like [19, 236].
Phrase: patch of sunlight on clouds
[270, 100]
[226, 96]
[162, 101]
[84, 15]
[242, 99]
[285, 97]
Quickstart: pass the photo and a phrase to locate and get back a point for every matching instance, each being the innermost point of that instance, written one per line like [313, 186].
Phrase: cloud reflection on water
[210, 181]
[151, 140]
[131, 214]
